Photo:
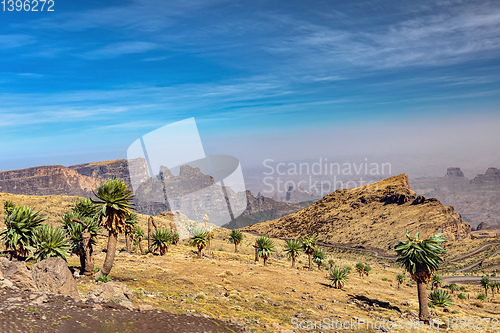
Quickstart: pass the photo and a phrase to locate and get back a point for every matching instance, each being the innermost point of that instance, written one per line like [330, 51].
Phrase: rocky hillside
[374, 216]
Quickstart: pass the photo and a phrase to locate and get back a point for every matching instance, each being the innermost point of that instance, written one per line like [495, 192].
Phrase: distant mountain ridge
[477, 199]
[82, 179]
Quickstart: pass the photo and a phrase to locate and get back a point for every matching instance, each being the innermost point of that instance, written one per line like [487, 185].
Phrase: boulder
[482, 226]
[116, 292]
[52, 275]
[17, 273]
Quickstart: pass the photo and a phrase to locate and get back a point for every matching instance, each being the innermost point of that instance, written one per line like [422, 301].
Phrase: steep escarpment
[375, 215]
[47, 180]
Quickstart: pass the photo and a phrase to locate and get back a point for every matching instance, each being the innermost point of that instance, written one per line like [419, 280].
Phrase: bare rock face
[482, 226]
[375, 215]
[17, 273]
[47, 180]
[111, 291]
[52, 275]
[491, 176]
[454, 172]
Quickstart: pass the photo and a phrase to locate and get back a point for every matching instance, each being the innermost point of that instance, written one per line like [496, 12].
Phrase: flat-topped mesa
[375, 215]
[454, 172]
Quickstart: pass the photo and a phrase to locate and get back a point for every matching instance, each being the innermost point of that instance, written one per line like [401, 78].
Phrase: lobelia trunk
[256, 254]
[235, 247]
[128, 243]
[310, 261]
[150, 231]
[110, 253]
[265, 261]
[140, 245]
[88, 262]
[422, 302]
[293, 262]
[200, 252]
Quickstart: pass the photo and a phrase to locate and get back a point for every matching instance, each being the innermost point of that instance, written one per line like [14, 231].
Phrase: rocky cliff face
[376, 215]
[47, 180]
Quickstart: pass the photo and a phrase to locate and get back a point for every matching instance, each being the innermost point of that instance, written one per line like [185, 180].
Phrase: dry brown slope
[375, 215]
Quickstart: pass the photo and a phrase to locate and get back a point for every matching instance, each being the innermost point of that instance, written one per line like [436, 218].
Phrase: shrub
[103, 278]
[360, 268]
[440, 298]
[161, 239]
[384, 279]
[481, 297]
[338, 276]
[50, 242]
[319, 256]
[462, 296]
[21, 225]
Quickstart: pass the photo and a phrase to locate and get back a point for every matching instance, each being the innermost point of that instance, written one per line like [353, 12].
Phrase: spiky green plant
[309, 245]
[130, 222]
[338, 276]
[85, 208]
[200, 240]
[485, 283]
[21, 225]
[82, 237]
[8, 208]
[50, 242]
[293, 248]
[175, 238]
[319, 255]
[161, 240]
[331, 263]
[367, 270]
[436, 281]
[137, 236]
[461, 296]
[401, 279]
[421, 258]
[235, 237]
[440, 298]
[114, 204]
[481, 297]
[265, 247]
[360, 268]
[453, 287]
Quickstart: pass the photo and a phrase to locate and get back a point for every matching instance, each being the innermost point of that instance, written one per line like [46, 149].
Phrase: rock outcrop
[52, 275]
[376, 215]
[111, 291]
[454, 172]
[491, 176]
[482, 226]
[17, 273]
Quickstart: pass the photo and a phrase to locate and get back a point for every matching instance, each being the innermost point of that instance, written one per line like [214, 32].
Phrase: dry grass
[232, 286]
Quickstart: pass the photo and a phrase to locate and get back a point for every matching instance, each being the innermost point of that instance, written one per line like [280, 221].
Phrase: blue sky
[264, 79]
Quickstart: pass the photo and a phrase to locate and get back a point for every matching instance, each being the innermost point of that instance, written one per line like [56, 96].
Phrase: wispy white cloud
[15, 41]
[119, 49]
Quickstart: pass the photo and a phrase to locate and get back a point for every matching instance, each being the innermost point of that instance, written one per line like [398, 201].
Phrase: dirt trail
[466, 279]
[470, 254]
